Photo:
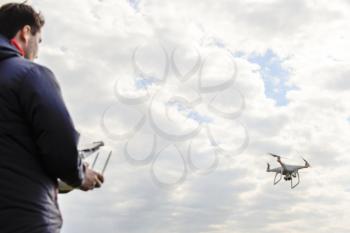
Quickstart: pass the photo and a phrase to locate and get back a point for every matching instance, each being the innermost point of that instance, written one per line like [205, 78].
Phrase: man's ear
[24, 34]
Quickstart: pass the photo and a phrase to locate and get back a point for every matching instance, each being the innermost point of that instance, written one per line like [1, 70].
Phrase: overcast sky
[199, 92]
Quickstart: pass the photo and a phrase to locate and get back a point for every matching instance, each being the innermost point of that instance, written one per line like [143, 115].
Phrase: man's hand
[92, 179]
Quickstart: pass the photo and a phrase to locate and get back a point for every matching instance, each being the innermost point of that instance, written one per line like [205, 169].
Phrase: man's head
[22, 23]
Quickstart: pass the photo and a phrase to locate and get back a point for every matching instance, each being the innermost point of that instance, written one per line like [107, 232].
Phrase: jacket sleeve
[52, 127]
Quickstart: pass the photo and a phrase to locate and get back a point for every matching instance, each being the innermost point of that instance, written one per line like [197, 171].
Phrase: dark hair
[14, 16]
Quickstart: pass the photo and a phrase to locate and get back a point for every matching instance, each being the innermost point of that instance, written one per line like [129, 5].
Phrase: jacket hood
[6, 49]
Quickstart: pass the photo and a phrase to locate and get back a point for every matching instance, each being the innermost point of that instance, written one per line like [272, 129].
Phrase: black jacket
[38, 145]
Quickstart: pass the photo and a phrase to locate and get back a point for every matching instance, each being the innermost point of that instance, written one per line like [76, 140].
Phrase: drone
[288, 171]
[84, 152]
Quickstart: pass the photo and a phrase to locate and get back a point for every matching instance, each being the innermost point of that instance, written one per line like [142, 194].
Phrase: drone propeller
[274, 155]
[277, 156]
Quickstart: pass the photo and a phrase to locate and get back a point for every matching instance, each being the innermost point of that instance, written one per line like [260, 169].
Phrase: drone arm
[306, 164]
[268, 168]
[282, 164]
[297, 168]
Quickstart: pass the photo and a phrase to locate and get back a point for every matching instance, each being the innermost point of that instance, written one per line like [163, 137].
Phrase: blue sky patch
[275, 77]
[144, 82]
[190, 113]
[134, 4]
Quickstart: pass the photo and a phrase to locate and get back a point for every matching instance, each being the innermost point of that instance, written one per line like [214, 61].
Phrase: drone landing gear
[296, 174]
[278, 180]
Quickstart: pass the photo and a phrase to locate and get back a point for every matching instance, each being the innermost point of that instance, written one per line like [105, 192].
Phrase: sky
[191, 96]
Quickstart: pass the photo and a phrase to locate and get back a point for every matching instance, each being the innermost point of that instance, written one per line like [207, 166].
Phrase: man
[38, 142]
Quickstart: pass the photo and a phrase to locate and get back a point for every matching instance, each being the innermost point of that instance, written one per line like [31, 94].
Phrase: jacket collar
[6, 49]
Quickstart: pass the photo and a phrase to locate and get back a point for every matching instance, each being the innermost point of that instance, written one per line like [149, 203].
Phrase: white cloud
[89, 46]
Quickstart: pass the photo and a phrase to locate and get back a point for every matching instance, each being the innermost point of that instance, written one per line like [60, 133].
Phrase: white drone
[84, 152]
[288, 171]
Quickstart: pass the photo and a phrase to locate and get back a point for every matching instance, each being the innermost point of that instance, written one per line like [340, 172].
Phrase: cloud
[89, 46]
